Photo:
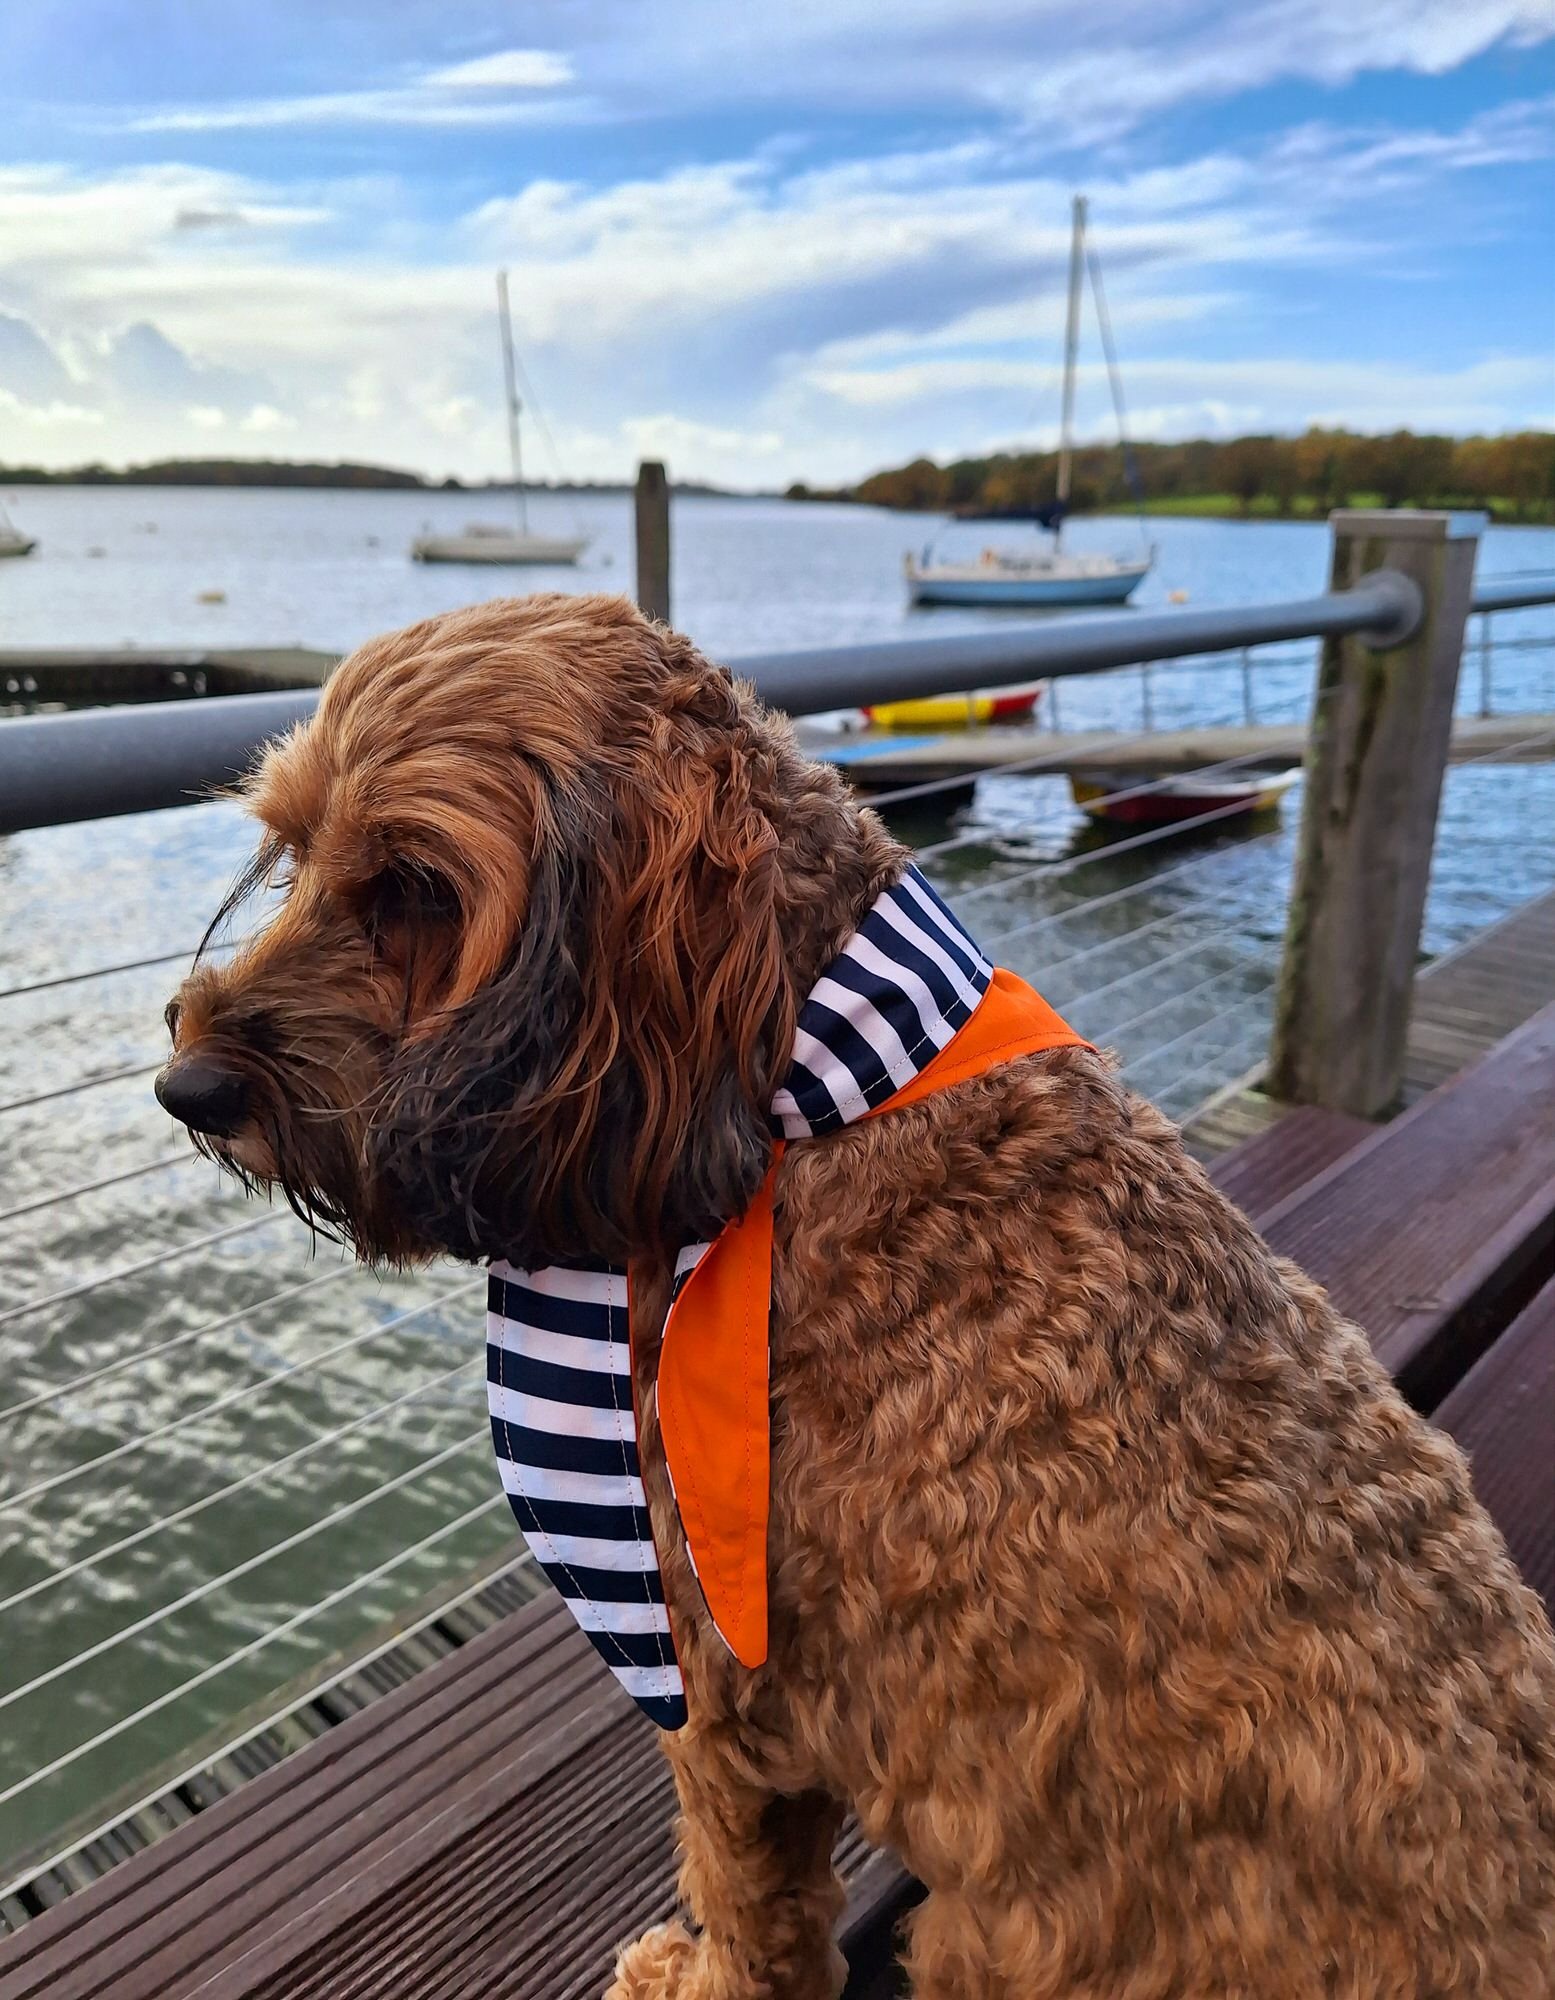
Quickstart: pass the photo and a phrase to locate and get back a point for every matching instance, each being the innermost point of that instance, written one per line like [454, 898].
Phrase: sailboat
[491, 542]
[12, 541]
[1044, 575]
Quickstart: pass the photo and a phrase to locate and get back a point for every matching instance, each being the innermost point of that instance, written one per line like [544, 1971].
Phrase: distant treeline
[1512, 476]
[287, 472]
[213, 472]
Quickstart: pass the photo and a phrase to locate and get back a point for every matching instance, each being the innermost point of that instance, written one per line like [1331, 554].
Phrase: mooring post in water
[653, 541]
[1381, 727]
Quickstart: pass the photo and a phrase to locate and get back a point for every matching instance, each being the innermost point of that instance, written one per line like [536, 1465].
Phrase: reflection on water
[1165, 952]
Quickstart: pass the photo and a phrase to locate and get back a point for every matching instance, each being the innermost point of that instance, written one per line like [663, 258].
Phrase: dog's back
[1178, 1650]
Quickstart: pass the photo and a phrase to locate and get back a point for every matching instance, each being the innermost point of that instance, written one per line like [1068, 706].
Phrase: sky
[764, 243]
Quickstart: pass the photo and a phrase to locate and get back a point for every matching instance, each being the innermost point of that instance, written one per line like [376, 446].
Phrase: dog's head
[531, 981]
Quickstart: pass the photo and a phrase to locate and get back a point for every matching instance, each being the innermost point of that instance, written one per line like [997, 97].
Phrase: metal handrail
[96, 763]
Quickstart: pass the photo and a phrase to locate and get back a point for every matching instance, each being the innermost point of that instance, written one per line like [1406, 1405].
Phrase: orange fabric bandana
[712, 1381]
[910, 1006]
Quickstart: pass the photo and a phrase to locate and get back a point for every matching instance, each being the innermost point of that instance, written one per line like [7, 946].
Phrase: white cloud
[746, 319]
[683, 441]
[508, 69]
[264, 418]
[496, 89]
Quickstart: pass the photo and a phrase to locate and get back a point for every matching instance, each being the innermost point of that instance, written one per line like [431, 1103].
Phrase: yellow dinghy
[959, 711]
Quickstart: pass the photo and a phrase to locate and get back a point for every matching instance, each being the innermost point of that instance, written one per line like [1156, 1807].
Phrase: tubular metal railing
[130, 1402]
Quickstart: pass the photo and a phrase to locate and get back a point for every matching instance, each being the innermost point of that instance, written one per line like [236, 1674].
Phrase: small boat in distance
[959, 711]
[490, 542]
[1053, 575]
[1044, 577]
[12, 541]
[1118, 798]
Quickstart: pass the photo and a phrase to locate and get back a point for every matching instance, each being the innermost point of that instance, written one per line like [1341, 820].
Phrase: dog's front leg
[756, 1870]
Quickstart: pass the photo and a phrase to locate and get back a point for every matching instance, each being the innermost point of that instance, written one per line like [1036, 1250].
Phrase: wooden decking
[1465, 1002]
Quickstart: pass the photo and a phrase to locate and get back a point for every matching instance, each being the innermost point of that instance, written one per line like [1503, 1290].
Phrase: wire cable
[521, 1561]
[281, 1631]
[245, 1568]
[253, 1391]
[95, 1375]
[265, 1471]
[244, 1228]
[101, 972]
[142, 1068]
[65, 1194]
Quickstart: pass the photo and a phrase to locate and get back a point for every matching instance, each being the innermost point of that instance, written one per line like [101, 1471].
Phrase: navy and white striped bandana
[558, 1352]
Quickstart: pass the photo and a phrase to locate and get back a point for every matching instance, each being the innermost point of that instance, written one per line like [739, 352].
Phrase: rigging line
[1139, 888]
[212, 1584]
[139, 1354]
[142, 1068]
[207, 1242]
[60, 1195]
[1114, 376]
[281, 1631]
[249, 1390]
[265, 1471]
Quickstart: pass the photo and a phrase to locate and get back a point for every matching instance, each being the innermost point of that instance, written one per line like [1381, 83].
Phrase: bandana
[909, 1006]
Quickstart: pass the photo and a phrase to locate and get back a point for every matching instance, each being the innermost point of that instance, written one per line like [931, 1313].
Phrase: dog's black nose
[203, 1095]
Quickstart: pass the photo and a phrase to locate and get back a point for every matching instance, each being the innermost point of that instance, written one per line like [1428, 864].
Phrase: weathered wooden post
[653, 540]
[1381, 731]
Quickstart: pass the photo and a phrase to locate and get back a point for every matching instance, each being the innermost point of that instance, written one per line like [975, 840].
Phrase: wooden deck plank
[1270, 1166]
[1438, 1217]
[1465, 1002]
[1503, 1415]
[149, 1896]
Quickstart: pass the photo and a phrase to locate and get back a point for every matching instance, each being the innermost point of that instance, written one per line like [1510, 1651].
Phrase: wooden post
[653, 541]
[1381, 728]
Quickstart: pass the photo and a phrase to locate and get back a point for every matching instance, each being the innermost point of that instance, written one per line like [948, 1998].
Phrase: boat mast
[1071, 345]
[510, 381]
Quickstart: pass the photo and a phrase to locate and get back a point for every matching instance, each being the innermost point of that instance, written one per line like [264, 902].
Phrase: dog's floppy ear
[607, 1091]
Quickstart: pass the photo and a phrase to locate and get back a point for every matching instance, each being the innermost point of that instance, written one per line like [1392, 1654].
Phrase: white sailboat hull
[498, 545]
[1038, 579]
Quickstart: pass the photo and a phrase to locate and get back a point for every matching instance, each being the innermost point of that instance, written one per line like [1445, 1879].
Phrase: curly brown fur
[1111, 1581]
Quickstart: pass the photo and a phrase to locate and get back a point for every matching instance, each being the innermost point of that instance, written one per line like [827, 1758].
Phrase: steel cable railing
[211, 1584]
[522, 1560]
[96, 1557]
[1234, 1029]
[247, 1227]
[57, 1197]
[58, 979]
[246, 1652]
[250, 1391]
[145, 1067]
[77, 1383]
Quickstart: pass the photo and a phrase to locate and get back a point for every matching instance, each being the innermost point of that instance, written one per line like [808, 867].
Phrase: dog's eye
[404, 896]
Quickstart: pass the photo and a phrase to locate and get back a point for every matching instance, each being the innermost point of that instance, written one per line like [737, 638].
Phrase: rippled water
[1169, 956]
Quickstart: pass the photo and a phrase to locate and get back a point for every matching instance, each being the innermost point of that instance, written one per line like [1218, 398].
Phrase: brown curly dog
[1112, 1584]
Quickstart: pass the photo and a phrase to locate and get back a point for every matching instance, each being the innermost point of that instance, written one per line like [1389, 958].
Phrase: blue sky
[764, 243]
